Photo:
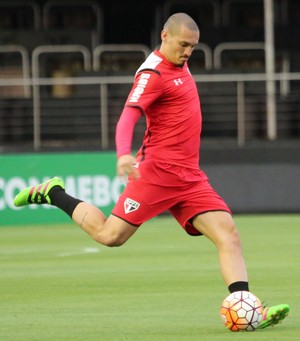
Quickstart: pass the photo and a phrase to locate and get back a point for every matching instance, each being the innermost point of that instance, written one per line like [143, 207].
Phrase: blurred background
[66, 67]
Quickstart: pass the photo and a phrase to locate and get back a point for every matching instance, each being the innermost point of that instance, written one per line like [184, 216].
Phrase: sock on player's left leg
[238, 286]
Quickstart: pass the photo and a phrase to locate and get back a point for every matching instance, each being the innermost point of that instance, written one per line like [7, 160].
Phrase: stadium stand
[58, 39]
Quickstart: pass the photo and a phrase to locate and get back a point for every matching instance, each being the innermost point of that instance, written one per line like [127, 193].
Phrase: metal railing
[50, 49]
[93, 5]
[30, 4]
[21, 50]
[240, 80]
[117, 48]
[225, 47]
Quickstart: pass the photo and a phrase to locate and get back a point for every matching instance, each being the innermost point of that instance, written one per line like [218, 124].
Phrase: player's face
[178, 47]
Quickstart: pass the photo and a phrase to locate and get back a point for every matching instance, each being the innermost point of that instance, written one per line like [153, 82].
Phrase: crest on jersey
[130, 205]
[178, 81]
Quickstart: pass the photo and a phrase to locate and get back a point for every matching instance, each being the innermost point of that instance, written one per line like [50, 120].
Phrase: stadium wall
[249, 185]
[258, 178]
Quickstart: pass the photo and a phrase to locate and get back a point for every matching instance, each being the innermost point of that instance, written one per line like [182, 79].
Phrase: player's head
[179, 37]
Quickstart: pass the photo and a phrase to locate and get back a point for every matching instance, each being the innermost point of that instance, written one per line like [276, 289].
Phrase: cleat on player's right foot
[37, 194]
[274, 315]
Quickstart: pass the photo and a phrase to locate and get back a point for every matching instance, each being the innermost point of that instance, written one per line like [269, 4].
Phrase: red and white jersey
[168, 97]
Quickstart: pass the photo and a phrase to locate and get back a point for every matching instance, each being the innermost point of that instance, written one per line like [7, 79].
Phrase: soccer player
[165, 173]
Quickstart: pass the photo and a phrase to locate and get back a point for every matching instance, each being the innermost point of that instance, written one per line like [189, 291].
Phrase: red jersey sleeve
[147, 87]
[125, 128]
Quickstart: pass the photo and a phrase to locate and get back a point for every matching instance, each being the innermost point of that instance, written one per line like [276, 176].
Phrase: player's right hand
[126, 166]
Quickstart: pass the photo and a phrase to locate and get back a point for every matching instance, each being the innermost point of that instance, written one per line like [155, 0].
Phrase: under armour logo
[178, 81]
[130, 205]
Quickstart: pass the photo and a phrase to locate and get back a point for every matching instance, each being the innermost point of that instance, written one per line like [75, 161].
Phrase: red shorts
[183, 191]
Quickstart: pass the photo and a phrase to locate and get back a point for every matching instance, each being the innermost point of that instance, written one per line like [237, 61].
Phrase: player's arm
[124, 134]
[146, 89]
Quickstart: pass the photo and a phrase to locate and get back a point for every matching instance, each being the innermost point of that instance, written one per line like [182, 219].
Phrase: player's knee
[110, 240]
[115, 242]
[228, 236]
[233, 235]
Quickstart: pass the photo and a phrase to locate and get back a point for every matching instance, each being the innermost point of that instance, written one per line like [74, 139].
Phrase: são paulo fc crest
[130, 205]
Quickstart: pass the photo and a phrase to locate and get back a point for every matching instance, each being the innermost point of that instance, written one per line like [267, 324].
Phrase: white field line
[84, 251]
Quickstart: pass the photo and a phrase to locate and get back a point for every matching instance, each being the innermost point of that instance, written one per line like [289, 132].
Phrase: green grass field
[57, 284]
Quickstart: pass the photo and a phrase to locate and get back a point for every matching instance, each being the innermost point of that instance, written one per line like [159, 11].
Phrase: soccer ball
[241, 311]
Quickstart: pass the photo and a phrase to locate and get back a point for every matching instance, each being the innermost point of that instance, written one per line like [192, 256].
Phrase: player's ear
[164, 36]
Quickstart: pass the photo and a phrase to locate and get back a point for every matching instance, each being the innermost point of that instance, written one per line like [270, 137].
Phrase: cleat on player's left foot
[274, 315]
[37, 194]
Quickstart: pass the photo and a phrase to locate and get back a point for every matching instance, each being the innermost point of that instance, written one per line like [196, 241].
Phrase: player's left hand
[126, 166]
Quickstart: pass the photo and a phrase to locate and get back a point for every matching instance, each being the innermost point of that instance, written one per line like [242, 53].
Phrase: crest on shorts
[130, 205]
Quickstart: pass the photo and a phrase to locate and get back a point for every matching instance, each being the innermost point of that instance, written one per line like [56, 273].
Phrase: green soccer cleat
[274, 315]
[37, 194]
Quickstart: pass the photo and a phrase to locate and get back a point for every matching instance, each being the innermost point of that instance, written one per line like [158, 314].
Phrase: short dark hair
[178, 19]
